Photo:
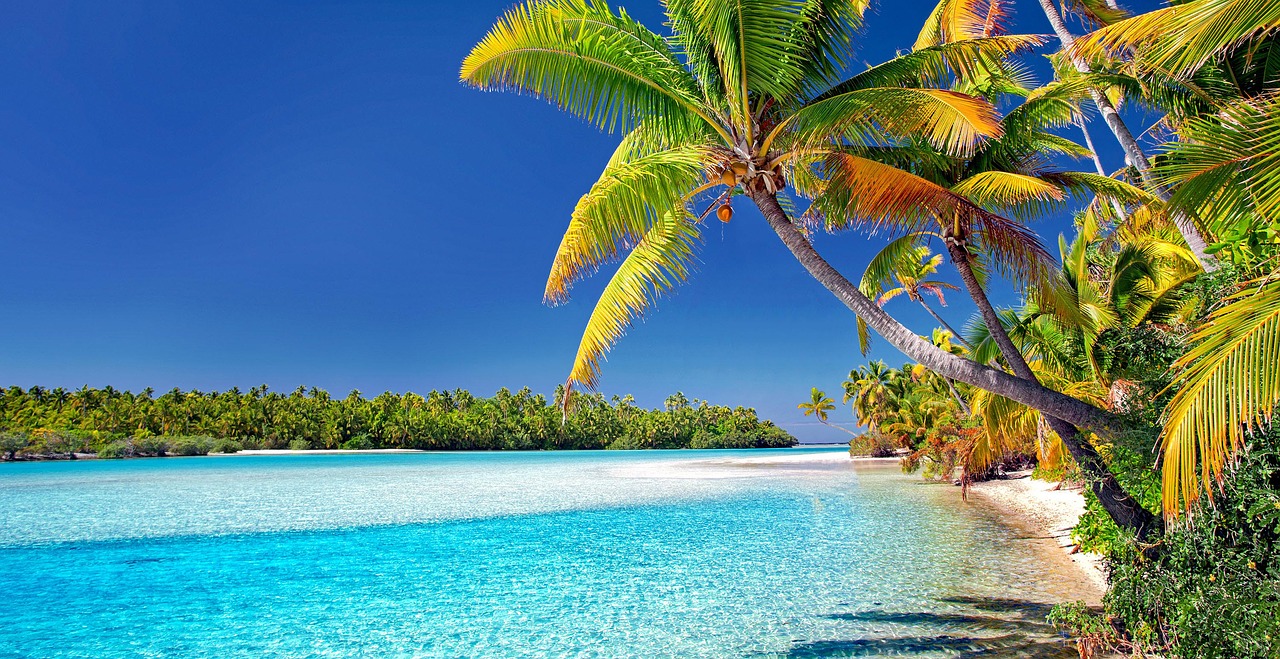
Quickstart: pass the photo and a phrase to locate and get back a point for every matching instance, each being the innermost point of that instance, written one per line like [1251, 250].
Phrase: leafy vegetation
[1141, 359]
[57, 422]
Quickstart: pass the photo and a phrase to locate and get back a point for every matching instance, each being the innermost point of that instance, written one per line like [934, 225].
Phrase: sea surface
[550, 554]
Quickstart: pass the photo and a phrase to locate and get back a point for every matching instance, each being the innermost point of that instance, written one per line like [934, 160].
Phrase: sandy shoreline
[1036, 505]
[1052, 512]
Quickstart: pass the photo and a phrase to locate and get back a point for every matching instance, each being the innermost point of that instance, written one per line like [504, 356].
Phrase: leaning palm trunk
[930, 356]
[1123, 508]
[1132, 150]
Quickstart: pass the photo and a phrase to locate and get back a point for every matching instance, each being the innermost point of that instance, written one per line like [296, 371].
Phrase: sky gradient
[303, 193]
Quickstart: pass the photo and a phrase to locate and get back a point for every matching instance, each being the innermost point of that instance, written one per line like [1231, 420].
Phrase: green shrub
[191, 445]
[872, 443]
[157, 446]
[360, 442]
[624, 443]
[225, 445]
[300, 445]
[1213, 588]
[11, 443]
[114, 451]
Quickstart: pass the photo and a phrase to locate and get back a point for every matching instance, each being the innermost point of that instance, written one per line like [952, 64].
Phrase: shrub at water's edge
[40, 422]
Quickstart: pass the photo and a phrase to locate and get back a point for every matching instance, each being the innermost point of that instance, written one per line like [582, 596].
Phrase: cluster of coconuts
[734, 174]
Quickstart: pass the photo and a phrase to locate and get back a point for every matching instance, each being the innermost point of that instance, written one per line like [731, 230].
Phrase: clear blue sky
[207, 195]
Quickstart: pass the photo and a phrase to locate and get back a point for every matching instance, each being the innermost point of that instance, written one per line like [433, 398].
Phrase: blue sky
[205, 196]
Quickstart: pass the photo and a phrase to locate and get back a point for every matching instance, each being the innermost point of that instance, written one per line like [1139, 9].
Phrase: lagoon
[789, 552]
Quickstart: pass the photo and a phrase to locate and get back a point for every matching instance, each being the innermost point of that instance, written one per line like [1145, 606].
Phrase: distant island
[40, 423]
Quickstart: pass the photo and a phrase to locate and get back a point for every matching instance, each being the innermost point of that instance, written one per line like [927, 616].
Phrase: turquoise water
[584, 554]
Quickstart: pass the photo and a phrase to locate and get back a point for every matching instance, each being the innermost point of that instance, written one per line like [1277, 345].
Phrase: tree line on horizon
[1142, 356]
[47, 422]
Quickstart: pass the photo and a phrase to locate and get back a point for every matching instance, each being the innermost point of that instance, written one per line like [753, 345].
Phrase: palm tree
[757, 108]
[910, 265]
[818, 406]
[1133, 151]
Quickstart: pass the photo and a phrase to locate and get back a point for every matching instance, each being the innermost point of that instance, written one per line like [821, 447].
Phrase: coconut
[740, 168]
[725, 213]
[729, 178]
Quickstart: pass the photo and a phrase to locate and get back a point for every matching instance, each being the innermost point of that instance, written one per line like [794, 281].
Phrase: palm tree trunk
[930, 356]
[1097, 165]
[1126, 511]
[1132, 150]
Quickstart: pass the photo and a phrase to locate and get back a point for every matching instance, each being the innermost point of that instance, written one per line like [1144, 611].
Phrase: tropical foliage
[52, 422]
[1141, 358]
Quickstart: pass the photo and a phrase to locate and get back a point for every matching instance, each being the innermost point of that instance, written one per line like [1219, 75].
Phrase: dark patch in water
[1011, 645]
[945, 620]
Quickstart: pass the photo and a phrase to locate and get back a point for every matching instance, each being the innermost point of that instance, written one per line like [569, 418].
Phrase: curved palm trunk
[828, 423]
[930, 356]
[1132, 150]
[1120, 505]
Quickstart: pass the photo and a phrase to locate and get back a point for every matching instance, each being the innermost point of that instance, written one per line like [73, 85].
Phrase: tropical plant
[756, 106]
[818, 406]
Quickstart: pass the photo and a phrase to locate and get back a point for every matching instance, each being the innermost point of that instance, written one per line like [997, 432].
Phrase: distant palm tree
[911, 268]
[818, 406]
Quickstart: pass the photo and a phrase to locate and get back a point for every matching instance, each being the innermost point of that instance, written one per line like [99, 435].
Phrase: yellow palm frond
[957, 20]
[951, 121]
[1181, 38]
[659, 262]
[996, 190]
[630, 197]
[1231, 385]
[604, 67]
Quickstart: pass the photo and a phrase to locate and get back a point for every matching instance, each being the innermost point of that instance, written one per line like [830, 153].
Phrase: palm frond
[1181, 38]
[632, 194]
[603, 67]
[938, 64]
[957, 20]
[950, 121]
[659, 262]
[881, 270]
[1230, 386]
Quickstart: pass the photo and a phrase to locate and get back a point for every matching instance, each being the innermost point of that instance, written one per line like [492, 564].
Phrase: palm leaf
[597, 65]
[661, 260]
[1181, 38]
[632, 194]
[1230, 386]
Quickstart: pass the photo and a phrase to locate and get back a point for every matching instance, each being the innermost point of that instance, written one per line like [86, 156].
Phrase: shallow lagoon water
[584, 554]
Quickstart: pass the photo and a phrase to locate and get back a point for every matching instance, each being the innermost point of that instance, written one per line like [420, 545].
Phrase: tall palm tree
[745, 95]
[1133, 151]
[818, 406]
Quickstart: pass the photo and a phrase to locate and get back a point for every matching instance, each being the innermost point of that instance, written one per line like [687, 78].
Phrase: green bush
[11, 443]
[157, 446]
[872, 443]
[191, 445]
[360, 442]
[300, 445]
[1213, 587]
[226, 446]
[114, 451]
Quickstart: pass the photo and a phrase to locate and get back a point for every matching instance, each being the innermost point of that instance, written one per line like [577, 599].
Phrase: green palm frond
[620, 209]
[828, 26]
[1230, 386]
[950, 121]
[938, 64]
[880, 270]
[1235, 153]
[601, 66]
[1000, 191]
[1181, 38]
[659, 262]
